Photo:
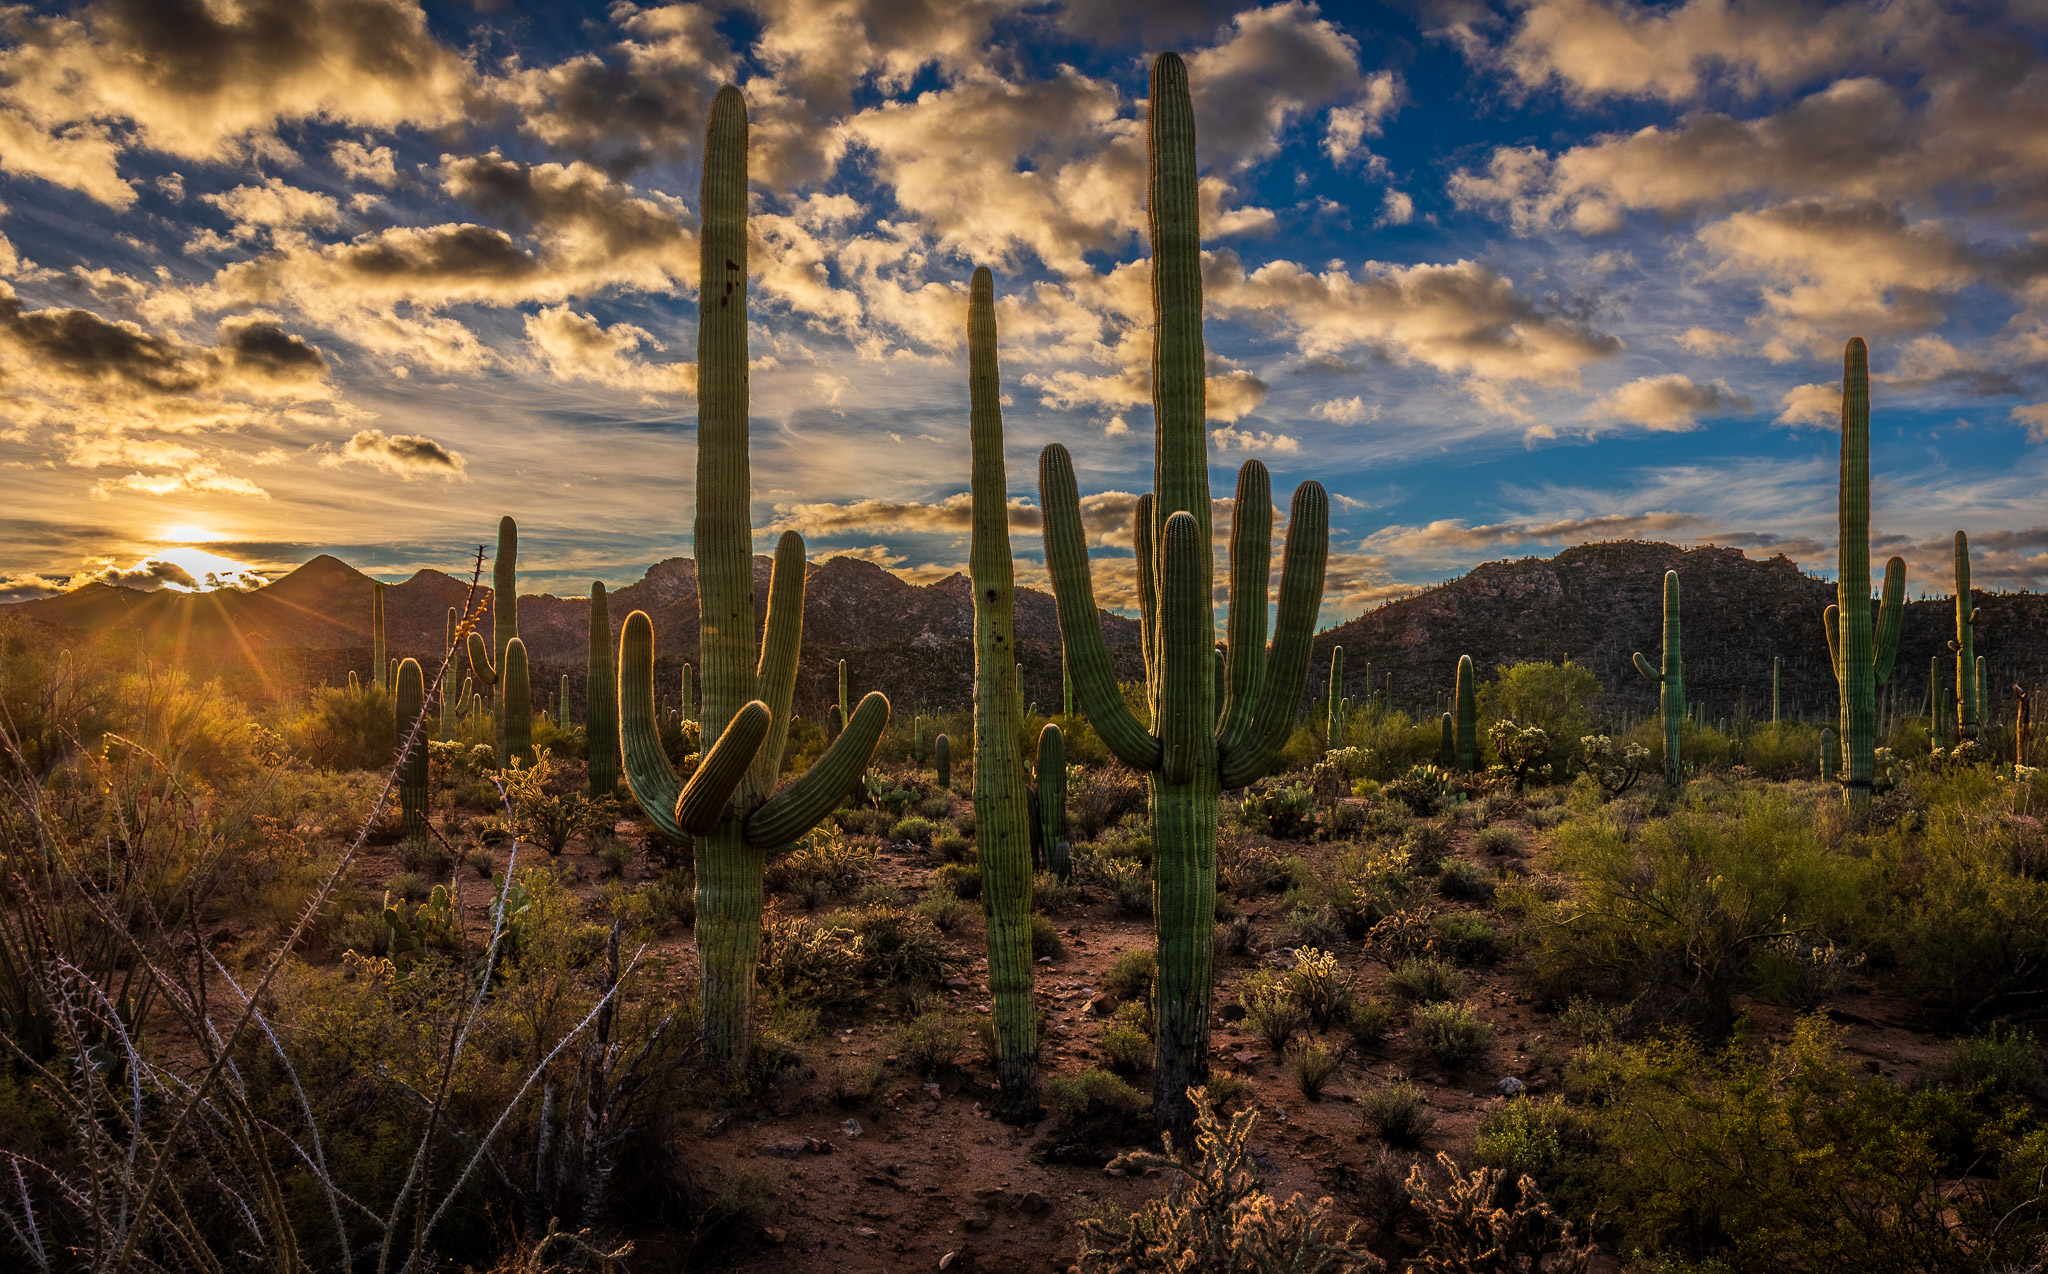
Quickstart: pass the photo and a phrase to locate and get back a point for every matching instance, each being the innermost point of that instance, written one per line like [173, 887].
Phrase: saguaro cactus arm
[704, 798]
[1891, 617]
[648, 773]
[799, 807]
[1644, 667]
[1066, 559]
[480, 665]
[781, 639]
[1831, 626]
[1251, 577]
[1249, 754]
[1184, 664]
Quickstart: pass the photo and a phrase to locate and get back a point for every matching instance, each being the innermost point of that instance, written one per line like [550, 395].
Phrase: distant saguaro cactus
[601, 698]
[1862, 659]
[491, 667]
[1670, 679]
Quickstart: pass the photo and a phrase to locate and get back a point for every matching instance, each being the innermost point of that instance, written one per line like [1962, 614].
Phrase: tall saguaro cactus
[601, 698]
[942, 762]
[1051, 814]
[1333, 728]
[1468, 716]
[1002, 810]
[410, 696]
[1964, 644]
[730, 806]
[1190, 752]
[1862, 658]
[492, 667]
[377, 665]
[515, 716]
[1670, 679]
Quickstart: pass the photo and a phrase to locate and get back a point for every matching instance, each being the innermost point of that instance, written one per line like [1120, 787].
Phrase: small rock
[851, 1127]
[1034, 1202]
[981, 1008]
[773, 1234]
[946, 1261]
[1045, 959]
[956, 983]
[1244, 1057]
[783, 1149]
[933, 1089]
[1113, 1172]
[1231, 1013]
[979, 1219]
[1511, 1087]
[867, 1232]
[1097, 1006]
[818, 1145]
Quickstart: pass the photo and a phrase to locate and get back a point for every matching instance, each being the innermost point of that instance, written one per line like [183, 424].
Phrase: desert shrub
[1528, 1138]
[822, 866]
[930, 1043]
[1838, 1172]
[1368, 1022]
[1398, 1113]
[672, 900]
[942, 907]
[481, 861]
[1270, 1010]
[1216, 1218]
[1675, 910]
[1051, 894]
[1094, 1112]
[1129, 881]
[1467, 937]
[1426, 840]
[409, 885]
[1312, 1065]
[344, 729]
[916, 830]
[1366, 885]
[964, 879]
[1406, 934]
[899, 948]
[1998, 1061]
[1313, 923]
[1427, 980]
[1491, 1220]
[1279, 809]
[1457, 878]
[1498, 839]
[1045, 937]
[938, 807]
[950, 844]
[1100, 797]
[1233, 937]
[1246, 869]
[1317, 983]
[614, 856]
[1557, 698]
[1127, 1038]
[1421, 788]
[426, 856]
[551, 819]
[1130, 976]
[809, 964]
[1450, 1034]
[1783, 750]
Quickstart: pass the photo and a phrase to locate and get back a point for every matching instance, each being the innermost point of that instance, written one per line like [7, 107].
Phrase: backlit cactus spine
[730, 806]
[942, 762]
[1670, 679]
[1964, 644]
[1191, 751]
[1862, 659]
[410, 700]
[1468, 716]
[493, 667]
[1333, 728]
[601, 699]
[1002, 809]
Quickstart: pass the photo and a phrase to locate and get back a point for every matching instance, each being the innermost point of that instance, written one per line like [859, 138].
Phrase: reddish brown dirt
[929, 1173]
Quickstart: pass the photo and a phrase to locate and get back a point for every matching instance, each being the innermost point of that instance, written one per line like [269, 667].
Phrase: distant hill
[1596, 603]
[913, 642]
[1599, 603]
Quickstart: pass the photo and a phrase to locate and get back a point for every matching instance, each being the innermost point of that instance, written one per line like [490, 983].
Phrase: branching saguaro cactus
[1190, 752]
[1468, 716]
[1964, 644]
[410, 700]
[1670, 679]
[730, 806]
[1862, 658]
[1002, 809]
[491, 667]
[601, 699]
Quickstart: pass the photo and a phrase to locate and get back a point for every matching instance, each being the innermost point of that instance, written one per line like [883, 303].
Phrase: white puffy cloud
[2034, 417]
[1818, 405]
[1670, 403]
[406, 456]
[576, 346]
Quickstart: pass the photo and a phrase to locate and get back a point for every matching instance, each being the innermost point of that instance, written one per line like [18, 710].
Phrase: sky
[284, 277]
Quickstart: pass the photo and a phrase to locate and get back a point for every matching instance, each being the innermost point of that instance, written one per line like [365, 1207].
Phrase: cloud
[1819, 405]
[362, 162]
[1460, 319]
[195, 479]
[1396, 209]
[147, 575]
[1452, 538]
[878, 554]
[1345, 411]
[2035, 417]
[1274, 65]
[27, 586]
[1250, 440]
[1228, 395]
[276, 206]
[577, 347]
[1593, 49]
[1671, 403]
[1349, 126]
[953, 515]
[210, 82]
[407, 456]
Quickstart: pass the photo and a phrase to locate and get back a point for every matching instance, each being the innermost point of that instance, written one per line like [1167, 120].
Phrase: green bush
[1528, 1137]
[1398, 1113]
[1127, 1038]
[2006, 1062]
[1270, 1009]
[1773, 1157]
[1557, 698]
[942, 907]
[915, 829]
[1130, 976]
[822, 866]
[1498, 839]
[1368, 1022]
[930, 1043]
[950, 844]
[1467, 937]
[1456, 878]
[1045, 937]
[1451, 1035]
[1312, 1065]
[1427, 980]
[964, 879]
